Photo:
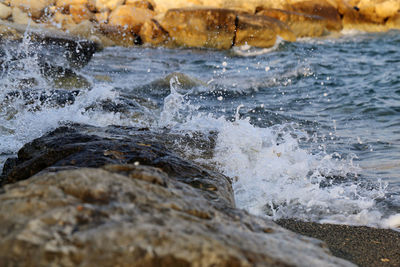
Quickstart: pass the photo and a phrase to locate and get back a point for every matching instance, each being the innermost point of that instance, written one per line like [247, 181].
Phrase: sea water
[307, 130]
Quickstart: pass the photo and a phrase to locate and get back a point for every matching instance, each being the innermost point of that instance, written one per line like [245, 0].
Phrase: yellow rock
[302, 25]
[88, 30]
[20, 17]
[320, 8]
[260, 31]
[378, 11]
[5, 11]
[394, 22]
[108, 5]
[200, 27]
[140, 3]
[387, 9]
[129, 18]
[35, 8]
[62, 20]
[250, 6]
[65, 4]
[162, 6]
[365, 18]
[80, 13]
[8, 33]
[102, 17]
[152, 33]
[118, 37]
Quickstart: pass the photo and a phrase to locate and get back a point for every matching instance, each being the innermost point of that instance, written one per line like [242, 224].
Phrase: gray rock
[127, 215]
[140, 204]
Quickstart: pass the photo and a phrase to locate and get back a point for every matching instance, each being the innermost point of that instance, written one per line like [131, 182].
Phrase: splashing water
[274, 177]
[274, 174]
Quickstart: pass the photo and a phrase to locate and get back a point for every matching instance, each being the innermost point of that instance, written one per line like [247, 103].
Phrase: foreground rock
[85, 146]
[362, 245]
[174, 214]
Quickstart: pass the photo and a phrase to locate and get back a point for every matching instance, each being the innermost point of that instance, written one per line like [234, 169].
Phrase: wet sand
[361, 245]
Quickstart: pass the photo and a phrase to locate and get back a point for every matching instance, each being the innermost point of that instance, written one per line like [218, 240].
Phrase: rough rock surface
[302, 25]
[129, 18]
[86, 146]
[204, 23]
[134, 215]
[260, 31]
[204, 27]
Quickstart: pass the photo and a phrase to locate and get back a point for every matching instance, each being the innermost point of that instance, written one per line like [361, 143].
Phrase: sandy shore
[361, 245]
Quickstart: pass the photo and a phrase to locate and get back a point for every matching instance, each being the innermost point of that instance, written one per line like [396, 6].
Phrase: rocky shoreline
[118, 196]
[199, 23]
[90, 196]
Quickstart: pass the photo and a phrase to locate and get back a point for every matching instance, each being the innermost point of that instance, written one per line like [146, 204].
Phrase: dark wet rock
[36, 100]
[77, 51]
[362, 245]
[85, 146]
[164, 211]
[62, 77]
[162, 87]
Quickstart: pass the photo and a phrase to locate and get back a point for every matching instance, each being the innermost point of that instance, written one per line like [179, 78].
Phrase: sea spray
[276, 178]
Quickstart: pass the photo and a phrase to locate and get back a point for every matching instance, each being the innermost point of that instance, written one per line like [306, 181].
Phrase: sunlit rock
[5, 11]
[9, 33]
[394, 22]
[35, 8]
[249, 6]
[362, 16]
[200, 27]
[104, 5]
[119, 36]
[87, 30]
[261, 31]
[102, 17]
[162, 6]
[377, 11]
[129, 18]
[141, 4]
[62, 21]
[320, 8]
[152, 33]
[302, 25]
[64, 5]
[80, 13]
[20, 17]
[387, 9]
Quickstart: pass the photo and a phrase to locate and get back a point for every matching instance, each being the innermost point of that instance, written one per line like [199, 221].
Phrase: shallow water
[307, 130]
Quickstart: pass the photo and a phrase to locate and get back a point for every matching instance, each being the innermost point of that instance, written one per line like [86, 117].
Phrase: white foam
[392, 222]
[28, 124]
[249, 51]
[274, 177]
